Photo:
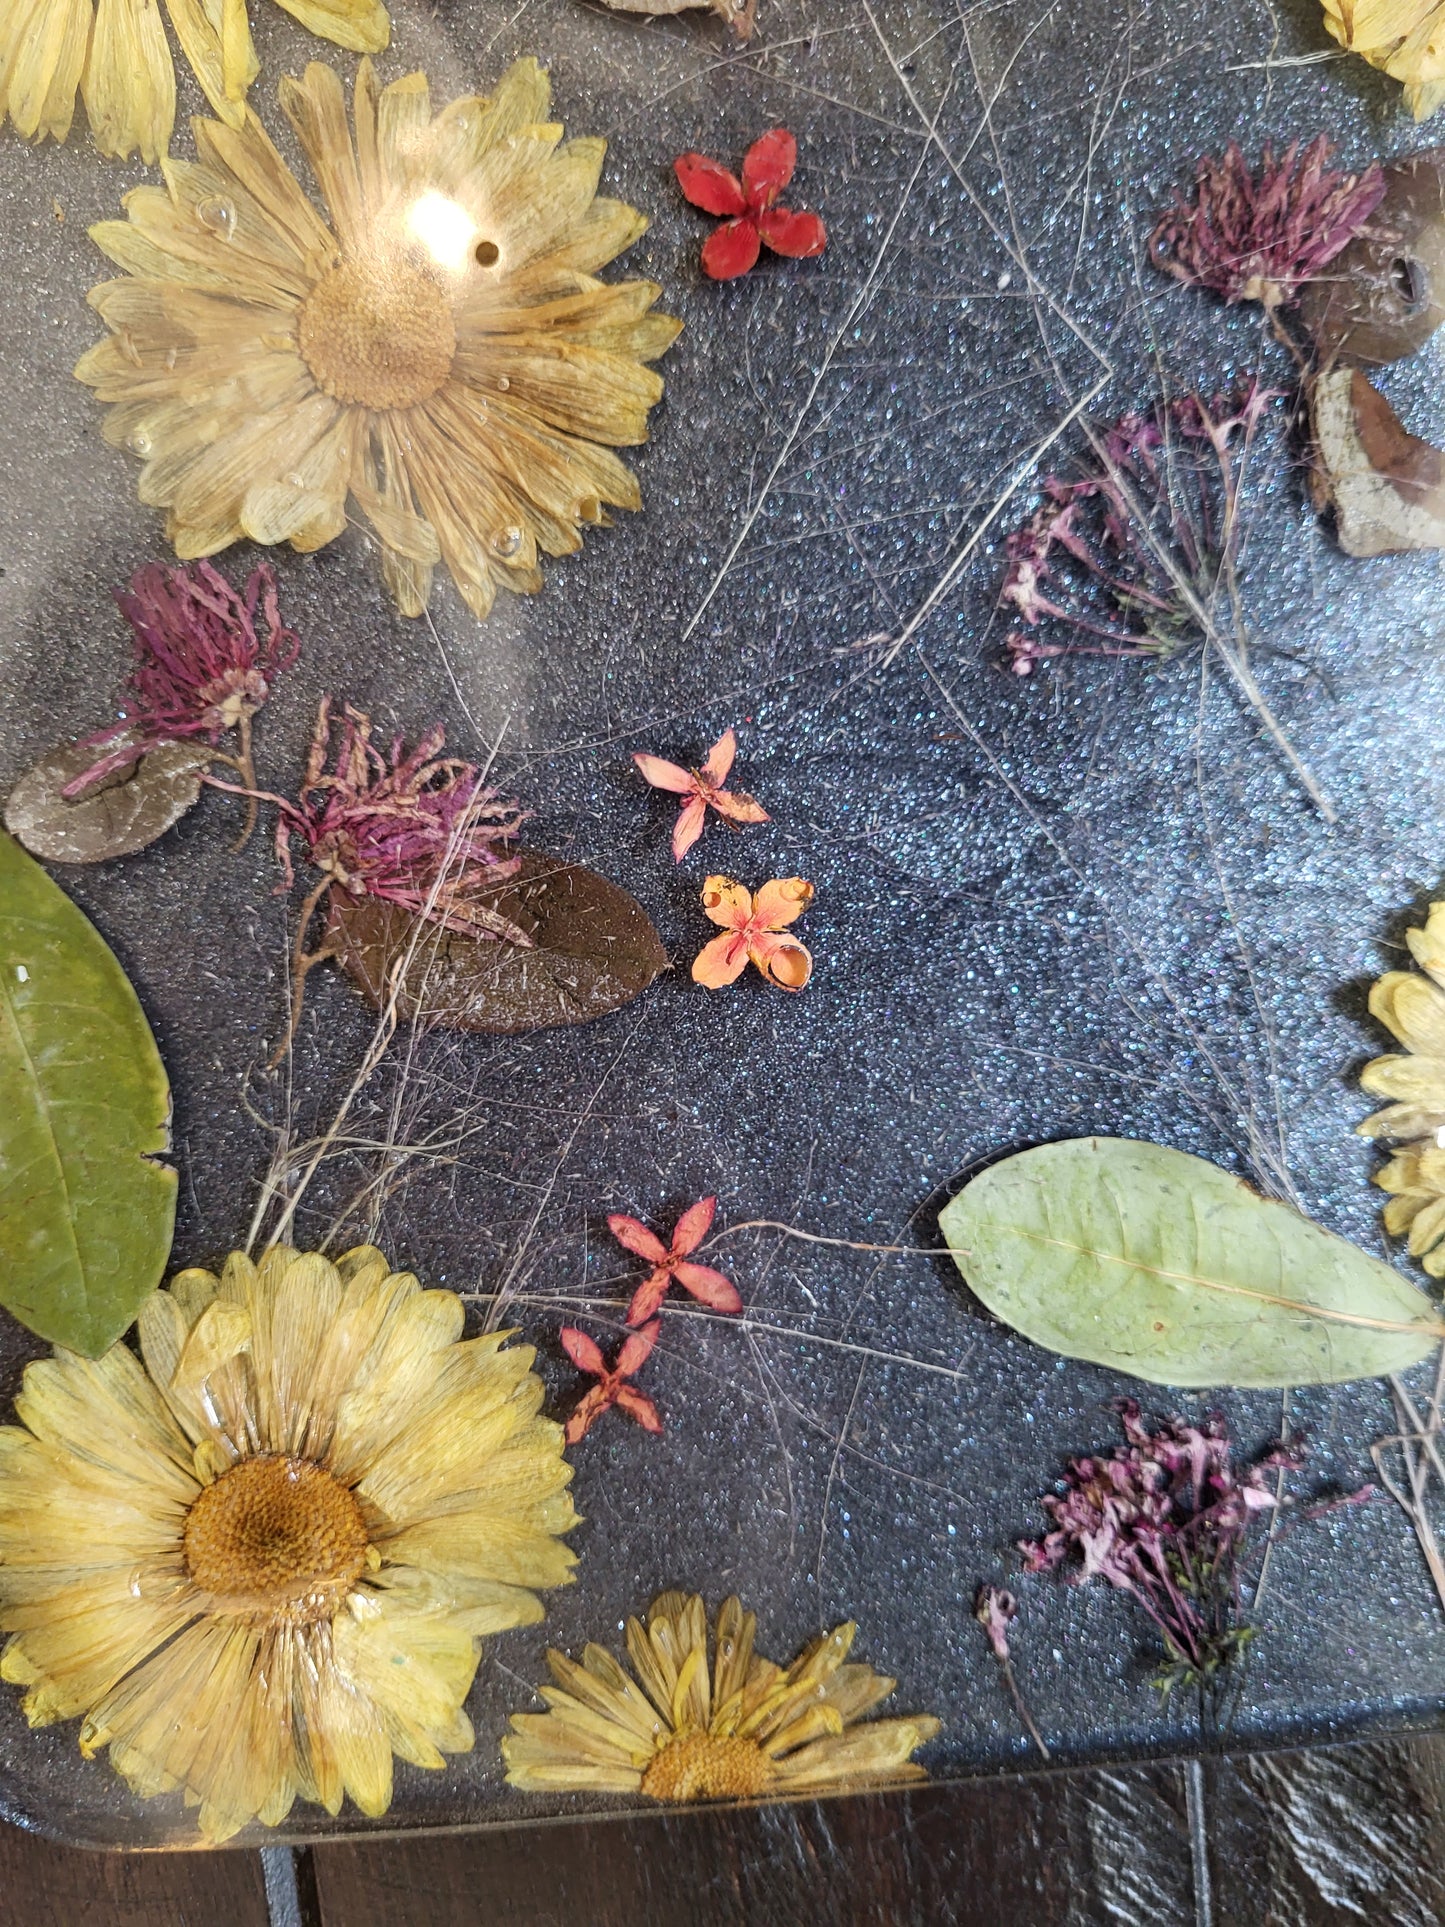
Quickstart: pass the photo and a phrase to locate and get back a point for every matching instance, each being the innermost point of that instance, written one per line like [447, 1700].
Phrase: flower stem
[302, 962]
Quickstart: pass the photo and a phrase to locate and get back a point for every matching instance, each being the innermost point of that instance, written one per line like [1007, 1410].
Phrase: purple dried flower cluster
[1164, 1519]
[1128, 554]
[416, 829]
[201, 666]
[1260, 237]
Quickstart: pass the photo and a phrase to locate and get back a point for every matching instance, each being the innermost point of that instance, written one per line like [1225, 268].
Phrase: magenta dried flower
[1129, 555]
[412, 828]
[995, 1609]
[1165, 1519]
[1259, 237]
[201, 669]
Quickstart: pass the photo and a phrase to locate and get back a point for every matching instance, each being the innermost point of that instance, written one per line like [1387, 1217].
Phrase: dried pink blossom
[994, 1608]
[1260, 237]
[1127, 554]
[417, 829]
[201, 667]
[1165, 1519]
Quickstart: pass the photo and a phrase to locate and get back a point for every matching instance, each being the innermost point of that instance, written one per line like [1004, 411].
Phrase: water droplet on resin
[506, 542]
[139, 443]
[170, 357]
[504, 382]
[295, 481]
[217, 215]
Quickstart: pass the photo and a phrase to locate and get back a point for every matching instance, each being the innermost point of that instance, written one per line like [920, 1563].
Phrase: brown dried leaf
[1386, 486]
[120, 816]
[593, 949]
[737, 13]
[1384, 296]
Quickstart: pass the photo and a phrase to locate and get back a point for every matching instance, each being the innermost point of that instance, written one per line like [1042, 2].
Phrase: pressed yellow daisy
[733, 1729]
[440, 351]
[1415, 1179]
[1412, 1007]
[1405, 38]
[258, 1564]
[117, 55]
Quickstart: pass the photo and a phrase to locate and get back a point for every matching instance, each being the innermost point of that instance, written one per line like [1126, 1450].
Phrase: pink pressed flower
[416, 829]
[612, 1388]
[994, 1609]
[1155, 504]
[709, 1287]
[752, 217]
[701, 789]
[1260, 237]
[1165, 1519]
[200, 668]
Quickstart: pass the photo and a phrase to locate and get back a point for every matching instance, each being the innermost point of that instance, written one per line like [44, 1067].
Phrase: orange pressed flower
[750, 929]
[612, 1387]
[709, 1287]
[700, 788]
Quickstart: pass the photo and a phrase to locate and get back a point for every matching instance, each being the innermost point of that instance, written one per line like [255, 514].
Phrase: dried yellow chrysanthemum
[1404, 38]
[117, 55]
[1412, 1007]
[258, 1564]
[441, 354]
[737, 1729]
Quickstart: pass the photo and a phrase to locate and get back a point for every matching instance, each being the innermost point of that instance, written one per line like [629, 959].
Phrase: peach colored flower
[750, 926]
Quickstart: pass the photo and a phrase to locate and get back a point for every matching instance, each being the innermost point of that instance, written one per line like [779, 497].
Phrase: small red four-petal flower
[709, 1287]
[749, 206]
[700, 787]
[612, 1388]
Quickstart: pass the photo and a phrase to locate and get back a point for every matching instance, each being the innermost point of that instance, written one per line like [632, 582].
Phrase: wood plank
[1332, 1837]
[48, 1886]
[1050, 1850]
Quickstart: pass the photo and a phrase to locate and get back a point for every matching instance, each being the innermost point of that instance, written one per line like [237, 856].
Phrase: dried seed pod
[1386, 486]
[1384, 296]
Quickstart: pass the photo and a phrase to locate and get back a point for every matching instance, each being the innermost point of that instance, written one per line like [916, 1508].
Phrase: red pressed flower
[201, 668]
[700, 788]
[416, 829]
[1259, 237]
[749, 206]
[709, 1287]
[612, 1387]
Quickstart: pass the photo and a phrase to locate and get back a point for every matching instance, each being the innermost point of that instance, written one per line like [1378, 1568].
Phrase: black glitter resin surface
[1095, 900]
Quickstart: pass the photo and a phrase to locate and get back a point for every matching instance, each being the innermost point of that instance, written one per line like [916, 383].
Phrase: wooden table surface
[1348, 1836]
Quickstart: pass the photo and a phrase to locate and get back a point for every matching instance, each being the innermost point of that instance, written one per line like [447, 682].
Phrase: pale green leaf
[1162, 1265]
[86, 1208]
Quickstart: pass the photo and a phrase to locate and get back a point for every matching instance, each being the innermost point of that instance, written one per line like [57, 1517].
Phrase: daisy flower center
[708, 1766]
[278, 1536]
[378, 332]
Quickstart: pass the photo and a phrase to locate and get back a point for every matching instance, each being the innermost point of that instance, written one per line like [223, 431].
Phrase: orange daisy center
[708, 1766]
[280, 1538]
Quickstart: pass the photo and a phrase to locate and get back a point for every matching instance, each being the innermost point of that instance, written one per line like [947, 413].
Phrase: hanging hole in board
[486, 254]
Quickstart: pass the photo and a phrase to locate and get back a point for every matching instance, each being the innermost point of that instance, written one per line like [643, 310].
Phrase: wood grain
[1057, 1850]
[42, 1885]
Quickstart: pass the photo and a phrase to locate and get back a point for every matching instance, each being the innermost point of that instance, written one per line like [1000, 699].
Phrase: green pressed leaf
[86, 1209]
[1162, 1265]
